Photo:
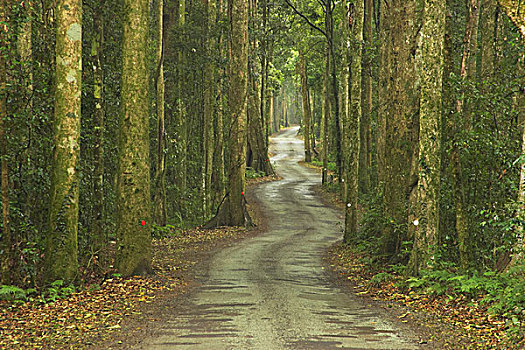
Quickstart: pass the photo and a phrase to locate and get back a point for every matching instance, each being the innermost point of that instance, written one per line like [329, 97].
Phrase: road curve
[271, 292]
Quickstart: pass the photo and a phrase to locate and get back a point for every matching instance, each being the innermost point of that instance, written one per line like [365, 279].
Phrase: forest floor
[443, 321]
[118, 310]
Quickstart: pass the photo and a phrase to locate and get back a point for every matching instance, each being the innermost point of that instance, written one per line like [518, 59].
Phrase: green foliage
[160, 232]
[381, 278]
[13, 293]
[253, 174]
[57, 290]
[504, 293]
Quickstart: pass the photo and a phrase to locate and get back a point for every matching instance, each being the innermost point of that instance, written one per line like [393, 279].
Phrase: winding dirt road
[271, 292]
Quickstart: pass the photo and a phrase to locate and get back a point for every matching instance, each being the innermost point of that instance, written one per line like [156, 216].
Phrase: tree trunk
[365, 162]
[61, 248]
[384, 89]
[233, 211]
[430, 69]
[325, 120]
[400, 123]
[159, 196]
[488, 45]
[133, 187]
[352, 127]
[209, 97]
[307, 112]
[181, 129]
[99, 239]
[5, 242]
[218, 169]
[466, 72]
[333, 87]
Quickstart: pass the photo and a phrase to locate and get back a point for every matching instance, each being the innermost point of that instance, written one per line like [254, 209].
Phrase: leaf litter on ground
[97, 311]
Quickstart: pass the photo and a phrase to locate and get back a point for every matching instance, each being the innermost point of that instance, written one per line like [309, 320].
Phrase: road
[272, 292]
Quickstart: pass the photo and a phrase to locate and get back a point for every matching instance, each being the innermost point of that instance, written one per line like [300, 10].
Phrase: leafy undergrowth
[80, 317]
[457, 318]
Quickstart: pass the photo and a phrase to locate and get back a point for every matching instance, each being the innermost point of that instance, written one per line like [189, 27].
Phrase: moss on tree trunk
[133, 186]
[61, 247]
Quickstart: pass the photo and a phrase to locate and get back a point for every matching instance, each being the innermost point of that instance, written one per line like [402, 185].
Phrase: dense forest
[121, 118]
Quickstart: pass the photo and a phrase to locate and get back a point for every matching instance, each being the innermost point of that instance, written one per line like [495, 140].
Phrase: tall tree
[159, 197]
[133, 186]
[430, 69]
[99, 240]
[5, 241]
[61, 249]
[181, 127]
[355, 21]
[463, 111]
[233, 210]
[365, 152]
[515, 10]
[218, 168]
[401, 120]
[209, 103]
[307, 111]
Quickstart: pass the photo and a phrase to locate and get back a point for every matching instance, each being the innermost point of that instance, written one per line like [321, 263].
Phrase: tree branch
[310, 23]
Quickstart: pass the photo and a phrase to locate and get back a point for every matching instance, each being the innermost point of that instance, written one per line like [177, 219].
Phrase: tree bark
[325, 120]
[133, 186]
[159, 197]
[466, 73]
[401, 120]
[218, 169]
[181, 129]
[307, 112]
[233, 211]
[209, 92]
[5, 242]
[99, 239]
[365, 159]
[61, 247]
[430, 70]
[352, 127]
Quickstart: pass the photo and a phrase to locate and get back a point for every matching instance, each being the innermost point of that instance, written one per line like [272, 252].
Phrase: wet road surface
[271, 291]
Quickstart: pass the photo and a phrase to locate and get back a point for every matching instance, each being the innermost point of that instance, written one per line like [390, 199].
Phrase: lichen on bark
[133, 184]
[61, 246]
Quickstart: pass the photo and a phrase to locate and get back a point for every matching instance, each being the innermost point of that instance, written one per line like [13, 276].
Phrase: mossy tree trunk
[61, 247]
[325, 118]
[463, 110]
[99, 239]
[233, 210]
[257, 147]
[181, 128]
[5, 241]
[159, 197]
[218, 175]
[209, 106]
[384, 88]
[400, 122]
[430, 70]
[515, 10]
[365, 152]
[307, 111]
[133, 186]
[355, 21]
